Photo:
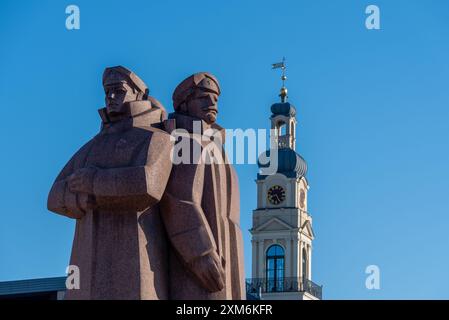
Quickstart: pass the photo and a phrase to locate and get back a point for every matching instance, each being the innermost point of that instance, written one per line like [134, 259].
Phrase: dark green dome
[290, 163]
[283, 108]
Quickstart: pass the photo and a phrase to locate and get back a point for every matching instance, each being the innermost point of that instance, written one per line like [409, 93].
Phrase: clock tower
[282, 233]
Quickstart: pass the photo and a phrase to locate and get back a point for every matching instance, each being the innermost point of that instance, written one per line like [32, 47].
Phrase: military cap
[119, 74]
[201, 80]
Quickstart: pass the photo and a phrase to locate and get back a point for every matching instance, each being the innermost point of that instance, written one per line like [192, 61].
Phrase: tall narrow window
[281, 127]
[304, 264]
[275, 269]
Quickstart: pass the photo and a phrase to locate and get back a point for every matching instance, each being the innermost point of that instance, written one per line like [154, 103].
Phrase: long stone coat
[201, 213]
[120, 244]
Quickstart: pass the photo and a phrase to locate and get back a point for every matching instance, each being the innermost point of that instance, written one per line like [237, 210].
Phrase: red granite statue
[112, 186]
[200, 207]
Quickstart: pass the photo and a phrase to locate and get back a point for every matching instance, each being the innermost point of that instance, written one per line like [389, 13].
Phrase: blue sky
[372, 120]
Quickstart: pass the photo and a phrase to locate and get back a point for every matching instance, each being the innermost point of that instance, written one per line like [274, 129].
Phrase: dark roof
[290, 163]
[283, 108]
[32, 286]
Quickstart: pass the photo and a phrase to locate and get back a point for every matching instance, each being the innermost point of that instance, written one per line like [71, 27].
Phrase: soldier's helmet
[119, 74]
[201, 80]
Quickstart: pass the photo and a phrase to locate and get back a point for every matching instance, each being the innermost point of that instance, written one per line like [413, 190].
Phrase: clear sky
[373, 120]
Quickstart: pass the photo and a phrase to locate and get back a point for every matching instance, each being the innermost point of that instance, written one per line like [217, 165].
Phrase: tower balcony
[256, 288]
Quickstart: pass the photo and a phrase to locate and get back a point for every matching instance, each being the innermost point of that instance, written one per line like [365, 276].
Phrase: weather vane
[283, 66]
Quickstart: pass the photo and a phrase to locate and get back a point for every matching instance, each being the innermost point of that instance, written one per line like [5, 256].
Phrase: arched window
[304, 264]
[275, 269]
[282, 128]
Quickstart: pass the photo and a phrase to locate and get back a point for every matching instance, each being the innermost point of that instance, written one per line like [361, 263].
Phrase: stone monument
[147, 228]
[111, 187]
[200, 207]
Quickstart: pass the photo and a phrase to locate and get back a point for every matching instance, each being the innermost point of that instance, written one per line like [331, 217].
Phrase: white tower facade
[282, 233]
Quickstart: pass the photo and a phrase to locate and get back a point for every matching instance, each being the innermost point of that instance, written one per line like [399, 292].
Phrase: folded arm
[60, 199]
[128, 188]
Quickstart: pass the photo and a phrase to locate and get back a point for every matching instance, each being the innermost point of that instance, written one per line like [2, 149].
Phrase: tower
[282, 233]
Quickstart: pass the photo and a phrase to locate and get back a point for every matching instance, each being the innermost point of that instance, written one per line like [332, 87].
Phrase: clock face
[276, 194]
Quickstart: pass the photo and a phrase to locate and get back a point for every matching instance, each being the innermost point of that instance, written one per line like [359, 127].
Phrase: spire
[283, 67]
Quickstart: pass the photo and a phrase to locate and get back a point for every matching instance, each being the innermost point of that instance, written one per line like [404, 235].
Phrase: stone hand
[82, 180]
[209, 272]
[85, 201]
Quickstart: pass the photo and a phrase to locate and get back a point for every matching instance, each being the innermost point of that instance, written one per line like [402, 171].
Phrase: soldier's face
[203, 105]
[117, 95]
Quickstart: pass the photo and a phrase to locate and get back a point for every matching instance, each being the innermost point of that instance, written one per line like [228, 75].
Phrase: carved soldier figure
[200, 207]
[112, 187]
